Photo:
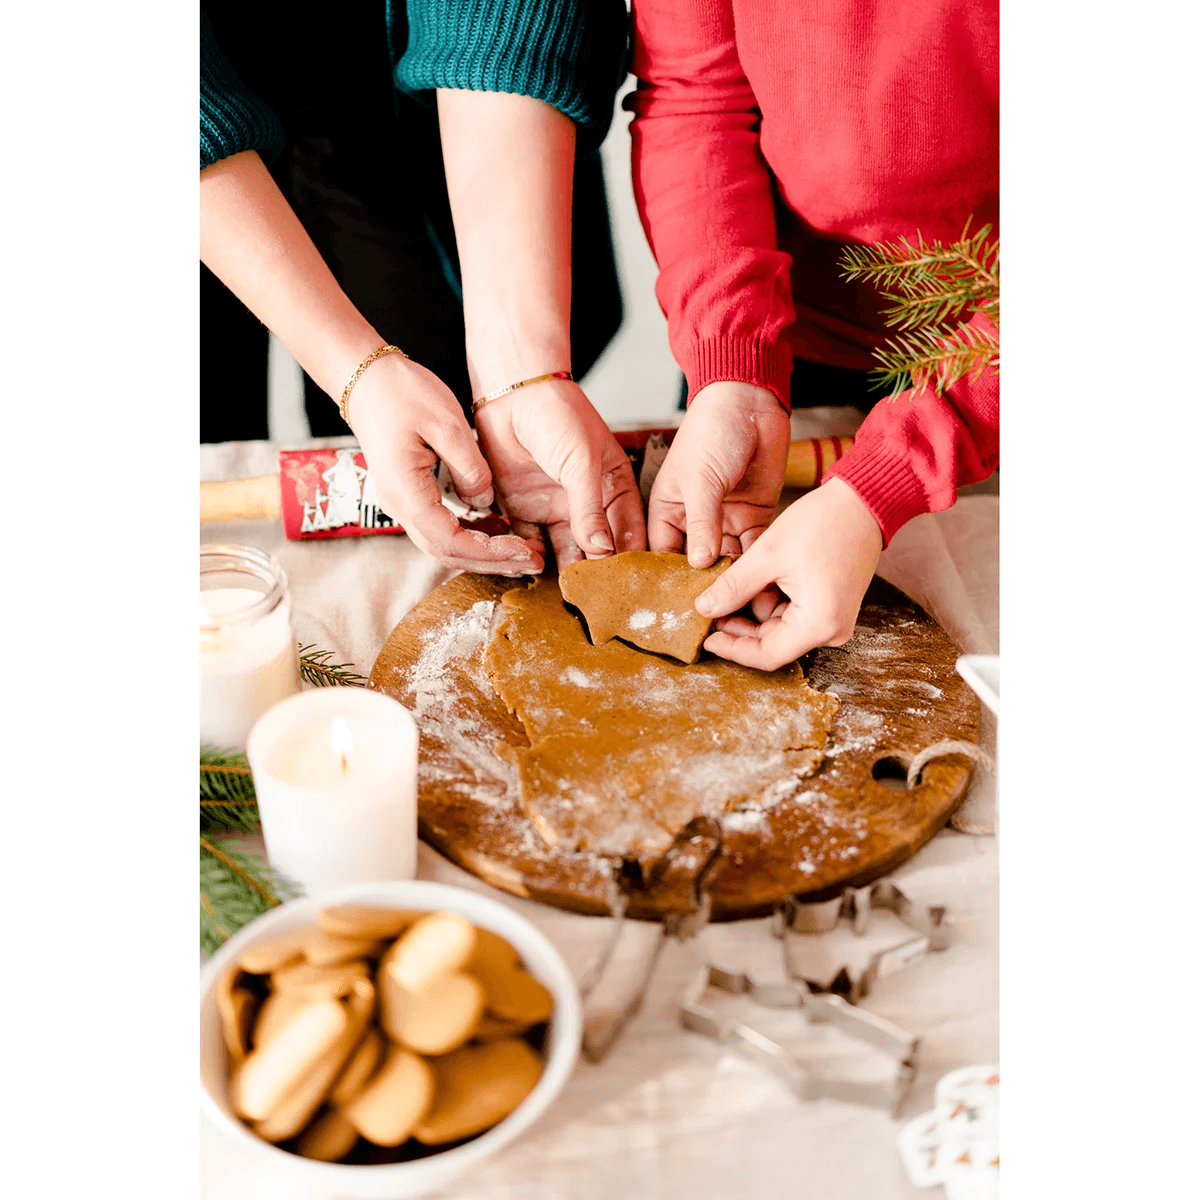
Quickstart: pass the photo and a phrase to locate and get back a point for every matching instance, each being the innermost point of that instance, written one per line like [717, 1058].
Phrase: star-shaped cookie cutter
[930, 925]
[797, 917]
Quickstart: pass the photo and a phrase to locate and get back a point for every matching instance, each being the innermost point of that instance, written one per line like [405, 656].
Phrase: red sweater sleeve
[913, 452]
[704, 195]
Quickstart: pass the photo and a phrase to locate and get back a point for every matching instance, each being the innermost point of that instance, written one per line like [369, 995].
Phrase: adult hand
[404, 416]
[820, 554]
[720, 482]
[557, 466]
[406, 419]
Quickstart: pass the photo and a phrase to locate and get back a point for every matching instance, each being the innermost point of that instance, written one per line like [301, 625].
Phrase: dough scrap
[645, 597]
[625, 748]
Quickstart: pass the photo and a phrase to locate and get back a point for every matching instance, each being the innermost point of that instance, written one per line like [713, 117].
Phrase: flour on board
[467, 762]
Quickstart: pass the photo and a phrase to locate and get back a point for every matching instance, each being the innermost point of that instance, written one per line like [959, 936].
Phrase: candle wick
[341, 743]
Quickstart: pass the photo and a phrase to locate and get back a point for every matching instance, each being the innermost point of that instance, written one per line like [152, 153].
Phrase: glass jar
[248, 655]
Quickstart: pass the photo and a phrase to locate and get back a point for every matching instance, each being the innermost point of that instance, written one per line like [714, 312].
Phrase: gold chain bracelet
[362, 366]
[512, 387]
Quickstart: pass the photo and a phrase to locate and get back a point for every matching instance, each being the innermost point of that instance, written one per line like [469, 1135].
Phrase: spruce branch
[229, 816]
[206, 904]
[931, 288]
[224, 775]
[243, 870]
[928, 357]
[227, 798]
[235, 888]
[316, 669]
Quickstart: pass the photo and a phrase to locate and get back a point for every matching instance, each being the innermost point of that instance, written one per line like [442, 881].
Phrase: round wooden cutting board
[852, 821]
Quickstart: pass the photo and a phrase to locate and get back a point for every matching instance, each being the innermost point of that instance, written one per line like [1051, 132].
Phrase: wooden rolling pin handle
[810, 458]
[240, 499]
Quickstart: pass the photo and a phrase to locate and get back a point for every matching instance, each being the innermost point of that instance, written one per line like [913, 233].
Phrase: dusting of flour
[577, 677]
[467, 762]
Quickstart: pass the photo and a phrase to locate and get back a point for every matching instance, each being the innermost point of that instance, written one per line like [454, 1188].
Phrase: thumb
[737, 586]
[585, 506]
[703, 499]
[468, 468]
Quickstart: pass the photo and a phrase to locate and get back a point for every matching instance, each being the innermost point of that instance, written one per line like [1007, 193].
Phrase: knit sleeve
[912, 453]
[704, 194]
[232, 118]
[569, 53]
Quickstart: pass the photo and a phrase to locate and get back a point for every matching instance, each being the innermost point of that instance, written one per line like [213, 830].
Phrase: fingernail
[602, 541]
[704, 605]
[483, 500]
[699, 555]
[532, 571]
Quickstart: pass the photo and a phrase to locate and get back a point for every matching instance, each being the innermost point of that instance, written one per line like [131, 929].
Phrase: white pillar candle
[248, 656]
[335, 772]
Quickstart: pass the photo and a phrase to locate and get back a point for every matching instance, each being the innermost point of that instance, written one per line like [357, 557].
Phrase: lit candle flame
[342, 741]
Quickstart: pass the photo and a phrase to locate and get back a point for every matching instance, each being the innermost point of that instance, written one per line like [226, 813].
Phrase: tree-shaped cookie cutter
[930, 927]
[816, 1007]
[796, 917]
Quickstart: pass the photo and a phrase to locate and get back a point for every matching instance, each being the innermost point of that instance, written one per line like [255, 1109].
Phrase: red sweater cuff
[885, 483]
[719, 359]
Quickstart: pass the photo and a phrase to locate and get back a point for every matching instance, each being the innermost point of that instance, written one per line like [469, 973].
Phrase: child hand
[820, 554]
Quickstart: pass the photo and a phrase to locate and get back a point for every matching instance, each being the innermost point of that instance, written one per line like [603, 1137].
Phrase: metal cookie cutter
[693, 856]
[808, 1085]
[834, 1003]
[931, 926]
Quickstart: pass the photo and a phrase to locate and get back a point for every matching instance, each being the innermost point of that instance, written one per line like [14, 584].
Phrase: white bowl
[304, 1179]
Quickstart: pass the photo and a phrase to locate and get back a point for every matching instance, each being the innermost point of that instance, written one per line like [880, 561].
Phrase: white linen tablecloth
[670, 1114]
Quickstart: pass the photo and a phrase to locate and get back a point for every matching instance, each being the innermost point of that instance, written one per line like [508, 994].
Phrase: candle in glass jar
[335, 772]
[248, 657]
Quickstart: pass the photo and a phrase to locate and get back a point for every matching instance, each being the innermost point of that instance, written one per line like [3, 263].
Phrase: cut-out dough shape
[644, 597]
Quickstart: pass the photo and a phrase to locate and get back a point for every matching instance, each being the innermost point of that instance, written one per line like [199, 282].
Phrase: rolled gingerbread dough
[625, 748]
[645, 597]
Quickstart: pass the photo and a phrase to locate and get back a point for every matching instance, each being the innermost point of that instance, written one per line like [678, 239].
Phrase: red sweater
[767, 135]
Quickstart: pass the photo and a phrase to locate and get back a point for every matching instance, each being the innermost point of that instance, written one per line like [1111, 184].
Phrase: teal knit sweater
[232, 118]
[569, 53]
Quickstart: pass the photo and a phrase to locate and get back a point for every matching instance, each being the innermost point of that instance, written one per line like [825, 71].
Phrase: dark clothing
[814, 385]
[362, 168]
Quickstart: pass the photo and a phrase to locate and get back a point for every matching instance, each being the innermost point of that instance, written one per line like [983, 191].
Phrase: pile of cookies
[380, 1028]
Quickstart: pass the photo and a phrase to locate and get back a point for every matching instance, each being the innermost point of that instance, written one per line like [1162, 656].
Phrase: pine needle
[317, 670]
[211, 912]
[931, 358]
